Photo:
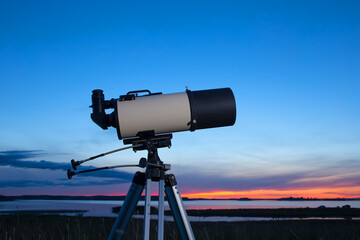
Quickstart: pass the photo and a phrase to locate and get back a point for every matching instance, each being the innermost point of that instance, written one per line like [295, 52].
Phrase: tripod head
[142, 140]
[148, 140]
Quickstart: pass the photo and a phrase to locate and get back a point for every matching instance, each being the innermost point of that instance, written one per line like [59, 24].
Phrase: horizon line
[190, 198]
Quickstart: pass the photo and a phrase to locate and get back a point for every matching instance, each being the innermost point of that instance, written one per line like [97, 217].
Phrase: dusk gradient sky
[294, 68]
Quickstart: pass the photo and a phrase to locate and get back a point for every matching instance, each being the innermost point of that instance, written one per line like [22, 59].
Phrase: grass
[66, 227]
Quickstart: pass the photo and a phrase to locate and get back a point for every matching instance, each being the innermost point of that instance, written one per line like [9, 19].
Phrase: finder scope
[164, 113]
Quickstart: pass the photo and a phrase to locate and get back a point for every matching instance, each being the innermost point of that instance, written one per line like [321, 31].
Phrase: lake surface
[104, 208]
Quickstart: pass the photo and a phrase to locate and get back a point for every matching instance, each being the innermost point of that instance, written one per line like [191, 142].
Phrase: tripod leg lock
[139, 178]
[170, 180]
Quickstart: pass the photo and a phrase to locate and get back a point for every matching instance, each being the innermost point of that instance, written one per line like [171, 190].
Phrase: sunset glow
[349, 192]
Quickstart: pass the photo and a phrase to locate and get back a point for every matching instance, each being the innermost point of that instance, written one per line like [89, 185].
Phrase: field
[34, 226]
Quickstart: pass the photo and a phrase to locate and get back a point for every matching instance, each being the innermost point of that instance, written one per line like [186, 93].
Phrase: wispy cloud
[40, 183]
[219, 182]
[337, 174]
[20, 159]
[17, 159]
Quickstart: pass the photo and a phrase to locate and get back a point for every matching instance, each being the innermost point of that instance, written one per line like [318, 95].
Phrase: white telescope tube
[160, 113]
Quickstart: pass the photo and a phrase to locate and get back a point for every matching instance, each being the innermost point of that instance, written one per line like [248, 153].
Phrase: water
[232, 204]
[100, 208]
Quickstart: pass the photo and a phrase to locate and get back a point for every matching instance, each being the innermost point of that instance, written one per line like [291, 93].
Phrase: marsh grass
[65, 227]
[279, 212]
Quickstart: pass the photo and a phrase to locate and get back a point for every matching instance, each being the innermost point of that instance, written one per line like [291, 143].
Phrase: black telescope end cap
[74, 164]
[96, 91]
[70, 173]
[212, 108]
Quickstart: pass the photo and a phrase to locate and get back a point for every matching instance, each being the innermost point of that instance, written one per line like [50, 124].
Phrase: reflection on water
[104, 208]
[233, 204]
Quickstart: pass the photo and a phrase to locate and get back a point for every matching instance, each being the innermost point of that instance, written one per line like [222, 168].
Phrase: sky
[294, 68]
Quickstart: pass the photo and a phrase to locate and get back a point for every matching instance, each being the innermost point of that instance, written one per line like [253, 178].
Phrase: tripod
[155, 171]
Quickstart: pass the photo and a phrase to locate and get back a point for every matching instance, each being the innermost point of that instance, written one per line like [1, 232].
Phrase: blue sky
[294, 68]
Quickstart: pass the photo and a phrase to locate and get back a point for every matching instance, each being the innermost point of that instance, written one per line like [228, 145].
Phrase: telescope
[146, 121]
[164, 113]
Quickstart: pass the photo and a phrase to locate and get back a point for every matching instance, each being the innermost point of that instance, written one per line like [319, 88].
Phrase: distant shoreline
[122, 197]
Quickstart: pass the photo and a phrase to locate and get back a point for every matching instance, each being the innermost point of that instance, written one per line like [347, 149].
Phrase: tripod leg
[127, 209]
[147, 208]
[177, 208]
[161, 210]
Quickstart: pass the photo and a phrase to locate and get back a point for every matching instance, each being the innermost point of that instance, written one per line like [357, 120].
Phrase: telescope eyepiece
[99, 104]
